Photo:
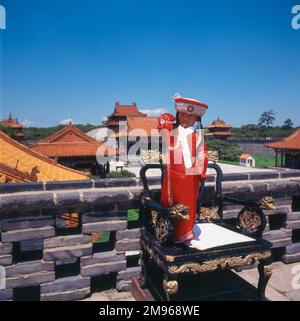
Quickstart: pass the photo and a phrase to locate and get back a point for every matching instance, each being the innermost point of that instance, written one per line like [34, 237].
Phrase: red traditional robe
[181, 184]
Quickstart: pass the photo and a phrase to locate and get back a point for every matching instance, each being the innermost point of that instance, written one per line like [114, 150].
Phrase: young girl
[186, 163]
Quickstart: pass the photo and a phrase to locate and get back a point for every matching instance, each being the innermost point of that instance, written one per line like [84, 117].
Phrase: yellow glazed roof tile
[23, 159]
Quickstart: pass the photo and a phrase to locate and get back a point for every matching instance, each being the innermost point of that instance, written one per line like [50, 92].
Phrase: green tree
[288, 124]
[8, 131]
[122, 174]
[267, 119]
[35, 134]
[250, 131]
[227, 151]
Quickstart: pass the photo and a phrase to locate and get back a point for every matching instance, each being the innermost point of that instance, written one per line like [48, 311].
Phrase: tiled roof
[127, 110]
[18, 157]
[219, 123]
[146, 125]
[70, 142]
[70, 149]
[291, 142]
[141, 126]
[245, 156]
[11, 123]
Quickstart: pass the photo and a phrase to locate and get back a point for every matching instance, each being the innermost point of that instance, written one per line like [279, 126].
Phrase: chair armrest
[251, 219]
[143, 176]
[154, 205]
[157, 220]
[179, 212]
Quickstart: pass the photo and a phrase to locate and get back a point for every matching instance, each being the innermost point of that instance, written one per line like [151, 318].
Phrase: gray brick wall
[34, 244]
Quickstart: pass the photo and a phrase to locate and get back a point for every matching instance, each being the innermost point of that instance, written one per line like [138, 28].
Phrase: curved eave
[283, 148]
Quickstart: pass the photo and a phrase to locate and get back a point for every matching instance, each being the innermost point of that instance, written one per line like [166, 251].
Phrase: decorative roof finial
[176, 96]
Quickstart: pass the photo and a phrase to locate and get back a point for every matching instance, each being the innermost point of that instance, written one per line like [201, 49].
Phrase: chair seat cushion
[210, 235]
[180, 253]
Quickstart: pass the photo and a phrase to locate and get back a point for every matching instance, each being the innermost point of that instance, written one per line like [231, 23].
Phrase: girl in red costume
[186, 162]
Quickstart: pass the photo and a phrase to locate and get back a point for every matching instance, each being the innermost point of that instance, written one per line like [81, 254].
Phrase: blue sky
[75, 58]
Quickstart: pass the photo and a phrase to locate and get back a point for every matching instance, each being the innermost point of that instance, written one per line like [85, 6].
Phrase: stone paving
[280, 286]
[226, 168]
[110, 295]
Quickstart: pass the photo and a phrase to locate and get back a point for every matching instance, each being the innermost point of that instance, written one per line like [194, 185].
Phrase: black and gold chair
[174, 271]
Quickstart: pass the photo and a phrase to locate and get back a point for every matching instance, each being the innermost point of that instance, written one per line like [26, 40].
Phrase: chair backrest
[143, 176]
[217, 201]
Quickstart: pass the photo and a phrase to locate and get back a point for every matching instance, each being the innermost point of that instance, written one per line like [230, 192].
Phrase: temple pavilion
[121, 113]
[136, 127]
[15, 126]
[219, 129]
[287, 151]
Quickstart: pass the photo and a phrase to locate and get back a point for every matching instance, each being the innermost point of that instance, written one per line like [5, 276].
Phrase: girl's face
[187, 120]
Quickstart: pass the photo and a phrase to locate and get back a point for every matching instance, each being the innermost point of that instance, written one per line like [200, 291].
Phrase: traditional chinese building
[141, 127]
[140, 134]
[219, 129]
[121, 113]
[136, 127]
[21, 164]
[14, 125]
[73, 148]
[287, 151]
